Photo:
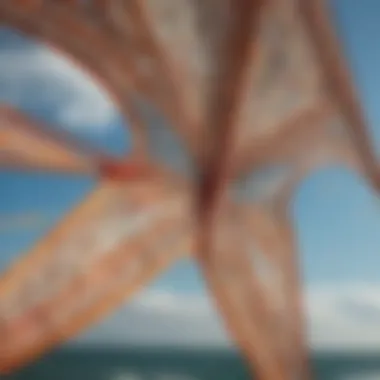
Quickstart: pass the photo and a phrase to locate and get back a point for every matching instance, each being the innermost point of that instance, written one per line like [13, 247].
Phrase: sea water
[171, 364]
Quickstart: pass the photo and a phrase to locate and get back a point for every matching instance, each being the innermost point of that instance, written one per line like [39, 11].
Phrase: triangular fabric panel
[24, 146]
[87, 257]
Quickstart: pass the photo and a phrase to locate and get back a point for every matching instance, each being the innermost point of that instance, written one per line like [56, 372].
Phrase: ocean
[164, 364]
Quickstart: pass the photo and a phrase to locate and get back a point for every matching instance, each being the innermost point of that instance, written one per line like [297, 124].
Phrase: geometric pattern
[230, 103]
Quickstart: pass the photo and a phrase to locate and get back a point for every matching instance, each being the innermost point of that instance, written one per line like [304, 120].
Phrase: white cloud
[345, 316]
[161, 317]
[35, 76]
[342, 317]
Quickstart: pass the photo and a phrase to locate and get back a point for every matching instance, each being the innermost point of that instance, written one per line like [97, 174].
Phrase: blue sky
[336, 216]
